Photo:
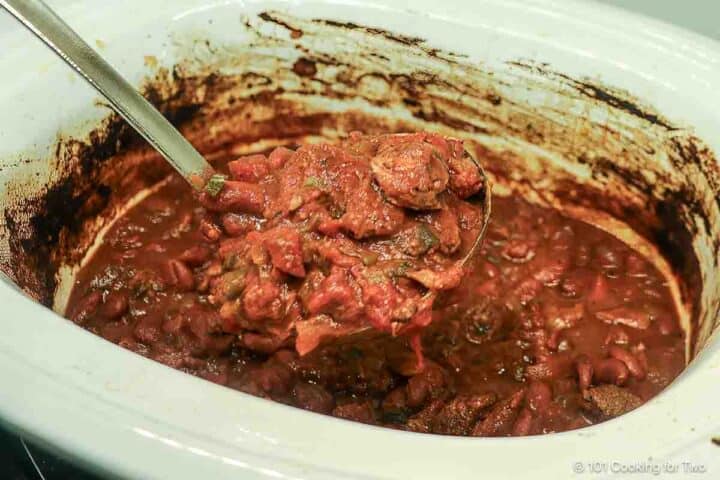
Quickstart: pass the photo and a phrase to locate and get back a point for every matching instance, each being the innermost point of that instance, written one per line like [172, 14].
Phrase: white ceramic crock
[127, 416]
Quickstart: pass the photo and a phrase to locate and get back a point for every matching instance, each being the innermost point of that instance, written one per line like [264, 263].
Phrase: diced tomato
[252, 168]
[284, 246]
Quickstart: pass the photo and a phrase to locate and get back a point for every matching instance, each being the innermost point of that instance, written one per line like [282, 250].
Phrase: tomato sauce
[331, 278]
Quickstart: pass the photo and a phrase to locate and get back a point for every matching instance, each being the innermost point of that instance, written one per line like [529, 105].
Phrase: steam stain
[617, 100]
[294, 32]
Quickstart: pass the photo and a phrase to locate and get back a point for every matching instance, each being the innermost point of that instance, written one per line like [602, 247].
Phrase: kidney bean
[199, 323]
[203, 284]
[526, 290]
[274, 378]
[611, 370]
[629, 316]
[538, 339]
[576, 282]
[518, 251]
[359, 412]
[607, 257]
[210, 231]
[130, 242]
[173, 324]
[146, 330]
[553, 342]
[258, 343]
[180, 276]
[599, 291]
[426, 384]
[667, 325]
[313, 397]
[584, 368]
[617, 335]
[395, 400]
[488, 289]
[236, 225]
[403, 362]
[523, 423]
[114, 306]
[489, 270]
[639, 352]
[195, 256]
[532, 317]
[635, 265]
[633, 364]
[172, 360]
[155, 248]
[538, 396]
[582, 255]
[559, 317]
[86, 306]
[219, 377]
[550, 274]
[218, 344]
[129, 344]
[286, 356]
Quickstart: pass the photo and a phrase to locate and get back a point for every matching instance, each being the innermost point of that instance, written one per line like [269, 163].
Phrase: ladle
[124, 99]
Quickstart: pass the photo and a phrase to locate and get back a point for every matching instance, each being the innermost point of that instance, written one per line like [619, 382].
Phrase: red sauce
[555, 325]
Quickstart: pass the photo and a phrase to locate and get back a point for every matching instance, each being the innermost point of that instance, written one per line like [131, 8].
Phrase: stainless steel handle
[139, 113]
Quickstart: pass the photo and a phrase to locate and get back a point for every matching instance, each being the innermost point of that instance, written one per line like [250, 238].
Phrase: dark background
[20, 461]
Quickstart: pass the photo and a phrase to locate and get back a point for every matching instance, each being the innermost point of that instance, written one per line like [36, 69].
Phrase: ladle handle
[126, 101]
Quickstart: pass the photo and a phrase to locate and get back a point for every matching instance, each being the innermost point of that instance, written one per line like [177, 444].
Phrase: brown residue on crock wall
[291, 82]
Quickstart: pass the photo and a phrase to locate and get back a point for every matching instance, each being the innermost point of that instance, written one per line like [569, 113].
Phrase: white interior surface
[697, 15]
[135, 418]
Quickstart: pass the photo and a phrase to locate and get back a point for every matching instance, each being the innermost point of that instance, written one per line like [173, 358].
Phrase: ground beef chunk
[360, 412]
[610, 400]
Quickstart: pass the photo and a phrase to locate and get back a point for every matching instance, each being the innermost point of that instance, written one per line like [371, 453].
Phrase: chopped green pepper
[401, 269]
[336, 211]
[427, 237]
[377, 278]
[295, 202]
[369, 258]
[215, 185]
[233, 283]
[230, 262]
[314, 182]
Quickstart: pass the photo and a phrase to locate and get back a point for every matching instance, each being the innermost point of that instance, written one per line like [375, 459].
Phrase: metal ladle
[124, 99]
